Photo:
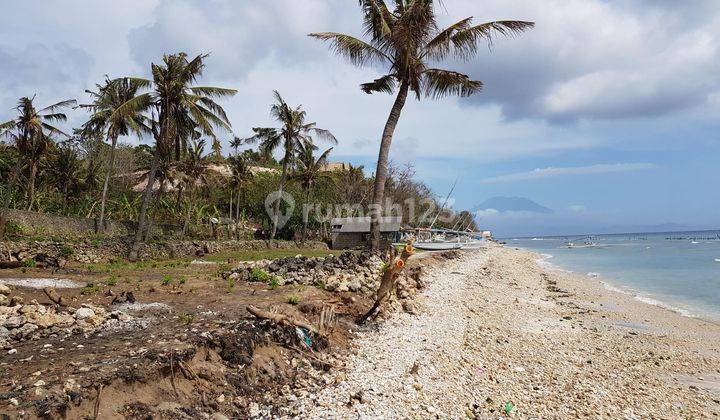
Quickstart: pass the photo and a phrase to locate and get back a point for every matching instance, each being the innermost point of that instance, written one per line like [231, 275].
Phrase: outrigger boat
[441, 239]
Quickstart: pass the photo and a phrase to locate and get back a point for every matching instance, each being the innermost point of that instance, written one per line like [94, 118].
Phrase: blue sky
[607, 112]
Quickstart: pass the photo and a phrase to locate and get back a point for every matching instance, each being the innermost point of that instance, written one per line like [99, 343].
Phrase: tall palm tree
[289, 136]
[179, 109]
[235, 143]
[408, 42]
[240, 175]
[30, 132]
[194, 171]
[106, 100]
[308, 170]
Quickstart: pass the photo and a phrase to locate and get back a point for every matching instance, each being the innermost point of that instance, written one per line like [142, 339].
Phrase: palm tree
[194, 172]
[293, 132]
[235, 143]
[408, 42]
[64, 171]
[307, 171]
[180, 109]
[30, 132]
[240, 174]
[108, 98]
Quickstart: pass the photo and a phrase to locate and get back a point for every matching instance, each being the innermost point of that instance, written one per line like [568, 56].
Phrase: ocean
[676, 270]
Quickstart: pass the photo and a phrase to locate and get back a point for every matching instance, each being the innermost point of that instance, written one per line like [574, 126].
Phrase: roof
[362, 224]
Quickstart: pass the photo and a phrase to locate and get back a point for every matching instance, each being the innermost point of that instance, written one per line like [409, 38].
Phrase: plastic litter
[304, 335]
[508, 407]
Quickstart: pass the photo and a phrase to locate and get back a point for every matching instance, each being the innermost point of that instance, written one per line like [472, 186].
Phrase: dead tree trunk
[388, 283]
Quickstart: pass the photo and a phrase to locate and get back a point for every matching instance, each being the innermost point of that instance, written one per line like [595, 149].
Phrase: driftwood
[11, 264]
[388, 283]
[53, 295]
[282, 319]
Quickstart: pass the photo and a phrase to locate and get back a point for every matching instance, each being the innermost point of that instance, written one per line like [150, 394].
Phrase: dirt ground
[194, 352]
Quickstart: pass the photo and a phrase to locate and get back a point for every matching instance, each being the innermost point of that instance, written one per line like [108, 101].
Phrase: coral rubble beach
[499, 335]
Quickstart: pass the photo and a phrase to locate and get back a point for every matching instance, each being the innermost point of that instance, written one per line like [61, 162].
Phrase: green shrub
[273, 283]
[293, 300]
[66, 251]
[258, 275]
[90, 288]
[112, 281]
[31, 263]
[13, 229]
[230, 285]
[167, 280]
[187, 318]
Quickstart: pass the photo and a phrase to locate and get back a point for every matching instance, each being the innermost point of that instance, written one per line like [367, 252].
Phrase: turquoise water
[678, 270]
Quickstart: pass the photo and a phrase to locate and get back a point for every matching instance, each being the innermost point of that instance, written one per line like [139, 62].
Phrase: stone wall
[111, 249]
[40, 224]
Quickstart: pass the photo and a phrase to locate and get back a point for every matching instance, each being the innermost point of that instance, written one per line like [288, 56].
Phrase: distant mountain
[512, 204]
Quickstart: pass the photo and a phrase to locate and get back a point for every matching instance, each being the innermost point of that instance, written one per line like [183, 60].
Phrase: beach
[497, 334]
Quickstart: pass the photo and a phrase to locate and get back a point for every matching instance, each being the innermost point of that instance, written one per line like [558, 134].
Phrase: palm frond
[213, 92]
[357, 51]
[62, 104]
[384, 84]
[437, 83]
[131, 107]
[324, 135]
[463, 44]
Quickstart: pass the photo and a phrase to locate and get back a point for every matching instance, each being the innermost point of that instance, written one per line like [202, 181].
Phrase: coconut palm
[64, 171]
[31, 133]
[407, 41]
[307, 171]
[289, 137]
[181, 109]
[194, 171]
[240, 175]
[106, 100]
[235, 143]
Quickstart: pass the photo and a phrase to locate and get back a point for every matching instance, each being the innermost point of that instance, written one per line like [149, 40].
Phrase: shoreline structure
[498, 333]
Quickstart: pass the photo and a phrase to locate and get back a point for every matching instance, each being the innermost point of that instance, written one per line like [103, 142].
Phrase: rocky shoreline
[498, 336]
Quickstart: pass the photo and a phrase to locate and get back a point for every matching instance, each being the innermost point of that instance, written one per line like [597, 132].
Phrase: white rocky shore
[499, 336]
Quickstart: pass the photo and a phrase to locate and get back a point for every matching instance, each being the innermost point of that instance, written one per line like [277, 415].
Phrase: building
[354, 232]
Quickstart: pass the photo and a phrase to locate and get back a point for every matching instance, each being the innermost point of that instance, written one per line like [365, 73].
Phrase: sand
[499, 335]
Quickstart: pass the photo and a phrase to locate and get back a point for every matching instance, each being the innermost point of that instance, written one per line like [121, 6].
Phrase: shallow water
[678, 270]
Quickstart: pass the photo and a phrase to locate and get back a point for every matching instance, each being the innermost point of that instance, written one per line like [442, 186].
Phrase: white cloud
[570, 171]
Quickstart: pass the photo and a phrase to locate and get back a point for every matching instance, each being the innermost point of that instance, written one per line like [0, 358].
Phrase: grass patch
[293, 300]
[90, 288]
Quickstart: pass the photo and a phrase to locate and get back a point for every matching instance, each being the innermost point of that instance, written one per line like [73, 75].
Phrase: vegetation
[181, 182]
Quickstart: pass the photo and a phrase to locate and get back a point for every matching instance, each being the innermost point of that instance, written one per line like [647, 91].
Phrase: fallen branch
[53, 295]
[282, 319]
[11, 264]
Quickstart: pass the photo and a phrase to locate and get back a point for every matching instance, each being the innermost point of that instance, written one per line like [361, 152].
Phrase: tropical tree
[64, 171]
[290, 136]
[106, 100]
[407, 41]
[240, 174]
[194, 171]
[235, 143]
[307, 171]
[31, 133]
[181, 109]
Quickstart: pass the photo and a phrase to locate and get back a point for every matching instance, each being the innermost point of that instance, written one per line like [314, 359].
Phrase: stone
[14, 322]
[4, 290]
[219, 416]
[4, 300]
[354, 286]
[84, 313]
[39, 383]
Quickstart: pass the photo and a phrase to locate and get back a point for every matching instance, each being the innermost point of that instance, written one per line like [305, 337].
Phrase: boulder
[14, 322]
[84, 313]
[4, 290]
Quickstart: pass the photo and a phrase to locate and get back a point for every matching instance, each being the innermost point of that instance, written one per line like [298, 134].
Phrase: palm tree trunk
[189, 212]
[156, 210]
[231, 204]
[31, 182]
[305, 219]
[276, 204]
[382, 165]
[237, 206]
[8, 198]
[143, 210]
[103, 199]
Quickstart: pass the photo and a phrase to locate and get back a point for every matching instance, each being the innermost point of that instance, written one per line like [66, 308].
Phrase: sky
[607, 112]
